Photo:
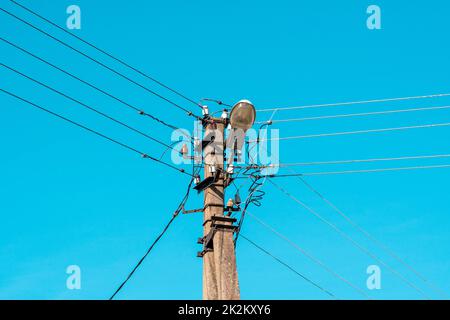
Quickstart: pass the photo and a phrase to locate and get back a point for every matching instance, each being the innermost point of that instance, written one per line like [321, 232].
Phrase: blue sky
[68, 197]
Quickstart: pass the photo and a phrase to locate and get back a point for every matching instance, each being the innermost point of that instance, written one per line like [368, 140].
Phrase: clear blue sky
[68, 197]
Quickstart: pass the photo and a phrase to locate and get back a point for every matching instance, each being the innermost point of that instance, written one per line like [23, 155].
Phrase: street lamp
[242, 115]
[242, 118]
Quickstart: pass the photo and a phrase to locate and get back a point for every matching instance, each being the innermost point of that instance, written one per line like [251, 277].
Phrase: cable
[432, 125]
[350, 239]
[308, 255]
[169, 147]
[219, 102]
[255, 196]
[140, 111]
[358, 171]
[143, 258]
[289, 267]
[102, 64]
[354, 224]
[337, 116]
[177, 211]
[105, 52]
[356, 102]
[315, 163]
[370, 236]
[323, 198]
[88, 107]
[144, 155]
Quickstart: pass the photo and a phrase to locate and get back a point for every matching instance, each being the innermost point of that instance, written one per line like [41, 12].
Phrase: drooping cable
[255, 196]
[158, 238]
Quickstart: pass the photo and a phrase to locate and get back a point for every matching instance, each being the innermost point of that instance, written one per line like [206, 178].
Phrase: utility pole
[220, 278]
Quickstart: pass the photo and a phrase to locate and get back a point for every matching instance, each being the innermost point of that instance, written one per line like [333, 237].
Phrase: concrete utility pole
[220, 279]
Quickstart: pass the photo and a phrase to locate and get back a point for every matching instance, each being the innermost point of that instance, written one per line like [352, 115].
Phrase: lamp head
[242, 115]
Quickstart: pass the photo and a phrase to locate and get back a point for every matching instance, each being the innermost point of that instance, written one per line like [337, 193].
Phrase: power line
[308, 255]
[347, 237]
[360, 247]
[144, 155]
[143, 258]
[432, 125]
[349, 115]
[140, 111]
[367, 234]
[316, 163]
[190, 113]
[105, 52]
[358, 171]
[219, 102]
[355, 102]
[289, 267]
[354, 224]
[177, 211]
[88, 107]
[370, 236]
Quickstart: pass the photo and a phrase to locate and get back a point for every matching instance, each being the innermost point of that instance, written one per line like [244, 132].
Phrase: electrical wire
[144, 155]
[356, 102]
[175, 214]
[363, 114]
[188, 112]
[289, 267]
[255, 196]
[219, 102]
[358, 171]
[87, 106]
[105, 52]
[350, 239]
[369, 236]
[435, 288]
[130, 106]
[432, 125]
[143, 258]
[308, 255]
[316, 163]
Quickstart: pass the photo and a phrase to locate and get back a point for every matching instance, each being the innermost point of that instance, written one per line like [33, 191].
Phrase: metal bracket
[222, 219]
[191, 211]
[208, 181]
[217, 223]
[200, 254]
